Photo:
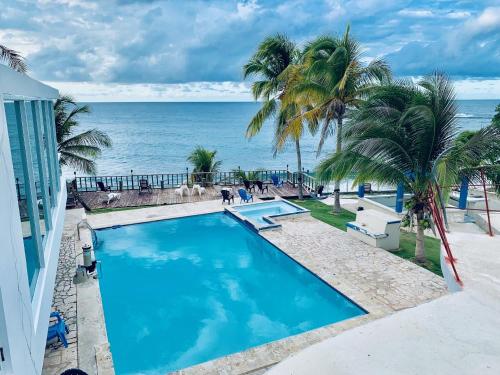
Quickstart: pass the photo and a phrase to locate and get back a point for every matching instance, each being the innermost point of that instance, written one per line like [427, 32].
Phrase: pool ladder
[84, 223]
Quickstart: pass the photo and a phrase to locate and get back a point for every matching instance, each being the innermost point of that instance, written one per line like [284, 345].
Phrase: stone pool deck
[456, 334]
[375, 279]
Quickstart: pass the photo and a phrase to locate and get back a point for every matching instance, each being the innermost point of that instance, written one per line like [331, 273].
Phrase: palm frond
[13, 59]
[78, 162]
[267, 110]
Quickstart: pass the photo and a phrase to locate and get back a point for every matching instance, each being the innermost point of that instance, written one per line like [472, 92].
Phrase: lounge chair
[71, 200]
[182, 189]
[58, 329]
[113, 197]
[102, 187]
[244, 196]
[368, 188]
[318, 193]
[227, 196]
[248, 186]
[145, 186]
[276, 181]
[262, 187]
[198, 189]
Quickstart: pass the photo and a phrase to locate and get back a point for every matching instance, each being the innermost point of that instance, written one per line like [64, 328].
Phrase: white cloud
[220, 91]
[247, 10]
[457, 15]
[192, 91]
[335, 10]
[85, 4]
[478, 88]
[22, 41]
[487, 21]
[474, 28]
[416, 13]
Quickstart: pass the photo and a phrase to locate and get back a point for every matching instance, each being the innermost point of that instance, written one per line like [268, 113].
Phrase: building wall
[24, 315]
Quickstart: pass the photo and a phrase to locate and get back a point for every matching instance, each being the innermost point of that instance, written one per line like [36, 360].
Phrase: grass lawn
[432, 250]
[323, 212]
[106, 210]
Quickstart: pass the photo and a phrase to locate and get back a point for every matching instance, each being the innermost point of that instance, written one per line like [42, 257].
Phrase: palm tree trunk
[338, 148]
[419, 245]
[299, 166]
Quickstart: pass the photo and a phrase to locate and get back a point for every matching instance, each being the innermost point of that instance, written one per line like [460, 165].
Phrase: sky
[193, 50]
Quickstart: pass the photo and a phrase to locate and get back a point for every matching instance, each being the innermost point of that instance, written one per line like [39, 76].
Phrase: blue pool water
[256, 212]
[183, 291]
[388, 200]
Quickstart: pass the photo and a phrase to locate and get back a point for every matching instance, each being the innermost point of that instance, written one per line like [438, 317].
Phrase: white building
[32, 204]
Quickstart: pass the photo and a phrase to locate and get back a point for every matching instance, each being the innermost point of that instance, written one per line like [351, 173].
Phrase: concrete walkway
[455, 334]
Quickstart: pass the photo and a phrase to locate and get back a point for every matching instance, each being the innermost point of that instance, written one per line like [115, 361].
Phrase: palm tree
[275, 65]
[335, 80]
[77, 151]
[204, 163]
[405, 133]
[13, 59]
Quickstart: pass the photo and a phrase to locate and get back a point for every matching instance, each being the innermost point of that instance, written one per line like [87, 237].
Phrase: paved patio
[455, 334]
[57, 358]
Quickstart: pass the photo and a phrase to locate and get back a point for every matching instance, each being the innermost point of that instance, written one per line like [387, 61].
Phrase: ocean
[158, 137]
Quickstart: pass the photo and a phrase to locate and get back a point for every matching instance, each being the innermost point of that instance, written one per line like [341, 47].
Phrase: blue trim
[52, 129]
[365, 231]
[464, 192]
[52, 142]
[361, 190]
[51, 156]
[40, 154]
[400, 196]
[29, 183]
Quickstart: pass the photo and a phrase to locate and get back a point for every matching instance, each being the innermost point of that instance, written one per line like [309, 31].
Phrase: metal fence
[173, 180]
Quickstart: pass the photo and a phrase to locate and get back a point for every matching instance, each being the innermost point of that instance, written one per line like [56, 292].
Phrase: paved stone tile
[58, 358]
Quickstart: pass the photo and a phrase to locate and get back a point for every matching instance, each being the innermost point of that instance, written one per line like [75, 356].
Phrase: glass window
[50, 151]
[38, 160]
[23, 169]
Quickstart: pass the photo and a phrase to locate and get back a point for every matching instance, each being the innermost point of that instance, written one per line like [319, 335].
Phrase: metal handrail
[173, 180]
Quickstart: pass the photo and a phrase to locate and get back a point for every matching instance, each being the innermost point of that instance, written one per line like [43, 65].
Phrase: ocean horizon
[157, 137]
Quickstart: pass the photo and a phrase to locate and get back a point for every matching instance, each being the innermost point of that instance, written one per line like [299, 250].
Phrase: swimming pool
[261, 214]
[386, 200]
[183, 291]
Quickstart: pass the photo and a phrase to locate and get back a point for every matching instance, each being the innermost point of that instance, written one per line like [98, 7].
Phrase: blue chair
[244, 196]
[58, 329]
[276, 181]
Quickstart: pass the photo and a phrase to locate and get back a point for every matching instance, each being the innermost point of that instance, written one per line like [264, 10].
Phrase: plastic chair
[276, 181]
[58, 329]
[248, 186]
[244, 196]
[262, 187]
[227, 196]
